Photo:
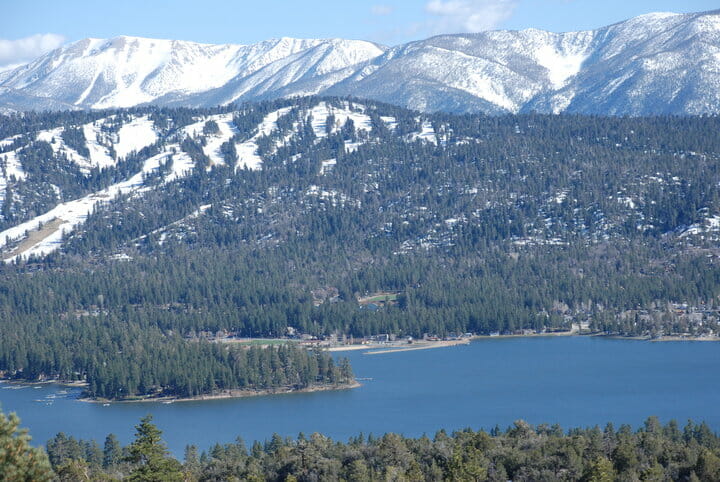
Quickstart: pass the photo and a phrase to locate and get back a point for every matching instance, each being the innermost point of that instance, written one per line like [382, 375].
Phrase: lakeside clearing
[381, 297]
[263, 342]
[393, 347]
[400, 346]
[530, 335]
[419, 346]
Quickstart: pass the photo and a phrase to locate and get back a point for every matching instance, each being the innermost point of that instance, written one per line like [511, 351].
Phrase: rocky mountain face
[653, 64]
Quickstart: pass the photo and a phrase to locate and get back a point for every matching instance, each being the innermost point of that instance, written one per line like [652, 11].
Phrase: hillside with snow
[661, 63]
[422, 180]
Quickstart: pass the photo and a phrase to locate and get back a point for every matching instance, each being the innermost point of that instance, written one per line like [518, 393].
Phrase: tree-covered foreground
[520, 453]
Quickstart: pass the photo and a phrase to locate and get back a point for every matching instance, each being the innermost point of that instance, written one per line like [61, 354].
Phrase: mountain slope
[653, 64]
[504, 70]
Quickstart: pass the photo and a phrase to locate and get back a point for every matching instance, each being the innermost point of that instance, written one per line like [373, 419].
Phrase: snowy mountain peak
[125, 71]
[658, 63]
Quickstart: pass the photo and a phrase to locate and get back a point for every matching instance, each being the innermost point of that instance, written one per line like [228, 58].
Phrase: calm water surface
[576, 381]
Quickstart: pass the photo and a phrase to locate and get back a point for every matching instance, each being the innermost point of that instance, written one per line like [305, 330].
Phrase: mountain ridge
[657, 63]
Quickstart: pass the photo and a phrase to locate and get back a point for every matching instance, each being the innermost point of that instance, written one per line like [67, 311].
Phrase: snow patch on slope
[323, 110]
[427, 133]
[54, 138]
[214, 141]
[12, 166]
[99, 153]
[248, 157]
[361, 121]
[135, 135]
[326, 165]
[9, 168]
[8, 141]
[561, 66]
[132, 137]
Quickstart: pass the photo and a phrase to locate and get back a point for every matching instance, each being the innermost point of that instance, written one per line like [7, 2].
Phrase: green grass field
[380, 298]
[265, 341]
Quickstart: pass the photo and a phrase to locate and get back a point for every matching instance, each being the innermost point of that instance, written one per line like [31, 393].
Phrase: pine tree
[18, 460]
[150, 455]
[112, 452]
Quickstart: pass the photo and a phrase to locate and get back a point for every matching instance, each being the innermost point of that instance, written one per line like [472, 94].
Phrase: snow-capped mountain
[129, 71]
[653, 64]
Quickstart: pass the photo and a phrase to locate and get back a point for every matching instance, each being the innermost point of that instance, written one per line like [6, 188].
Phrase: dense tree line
[520, 453]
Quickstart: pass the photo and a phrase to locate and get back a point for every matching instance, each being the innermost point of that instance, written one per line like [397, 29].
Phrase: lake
[573, 381]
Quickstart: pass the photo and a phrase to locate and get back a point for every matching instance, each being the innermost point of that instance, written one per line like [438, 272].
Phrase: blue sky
[32, 27]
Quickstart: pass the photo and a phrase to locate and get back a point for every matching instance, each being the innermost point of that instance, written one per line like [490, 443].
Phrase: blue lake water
[573, 381]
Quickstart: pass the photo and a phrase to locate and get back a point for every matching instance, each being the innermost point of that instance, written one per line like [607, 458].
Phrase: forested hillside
[129, 232]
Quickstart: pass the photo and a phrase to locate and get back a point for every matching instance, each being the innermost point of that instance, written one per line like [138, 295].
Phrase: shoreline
[662, 339]
[531, 335]
[21, 381]
[227, 394]
[393, 347]
[374, 349]
[414, 347]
